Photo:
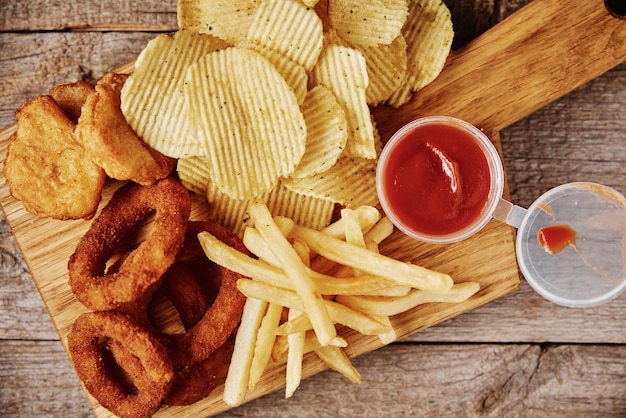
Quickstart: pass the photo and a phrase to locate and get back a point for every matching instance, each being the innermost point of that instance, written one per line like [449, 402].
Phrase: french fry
[387, 337]
[376, 264]
[294, 325]
[264, 342]
[379, 232]
[336, 359]
[281, 346]
[367, 217]
[338, 313]
[234, 260]
[375, 305]
[295, 355]
[236, 384]
[311, 299]
[393, 290]
[352, 228]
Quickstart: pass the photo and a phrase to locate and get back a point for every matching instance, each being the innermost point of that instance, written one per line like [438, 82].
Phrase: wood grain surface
[516, 356]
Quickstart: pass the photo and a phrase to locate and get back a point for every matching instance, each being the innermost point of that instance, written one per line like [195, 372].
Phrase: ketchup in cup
[439, 179]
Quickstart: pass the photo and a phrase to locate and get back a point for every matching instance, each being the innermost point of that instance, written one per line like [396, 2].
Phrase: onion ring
[140, 272]
[197, 381]
[221, 319]
[208, 315]
[153, 371]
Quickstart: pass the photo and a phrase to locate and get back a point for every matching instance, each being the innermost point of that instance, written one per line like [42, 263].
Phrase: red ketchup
[555, 238]
[436, 179]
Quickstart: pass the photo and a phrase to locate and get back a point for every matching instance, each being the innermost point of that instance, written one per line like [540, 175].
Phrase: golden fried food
[151, 369]
[220, 320]
[112, 143]
[71, 97]
[140, 272]
[46, 168]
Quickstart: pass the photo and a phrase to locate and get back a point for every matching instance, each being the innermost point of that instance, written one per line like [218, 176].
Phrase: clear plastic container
[587, 270]
[496, 174]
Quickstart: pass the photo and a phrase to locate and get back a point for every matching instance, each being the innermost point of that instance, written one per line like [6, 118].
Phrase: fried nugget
[46, 168]
[71, 97]
[112, 143]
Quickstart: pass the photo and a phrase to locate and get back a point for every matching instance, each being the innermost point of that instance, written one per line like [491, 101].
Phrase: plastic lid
[590, 268]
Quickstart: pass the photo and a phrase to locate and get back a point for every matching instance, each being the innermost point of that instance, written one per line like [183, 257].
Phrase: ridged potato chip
[152, 98]
[281, 201]
[227, 19]
[327, 132]
[350, 182]
[193, 173]
[344, 72]
[290, 28]
[248, 119]
[294, 74]
[371, 22]
[428, 32]
[386, 65]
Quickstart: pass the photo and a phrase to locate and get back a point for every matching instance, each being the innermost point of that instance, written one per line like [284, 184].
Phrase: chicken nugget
[71, 97]
[46, 168]
[112, 143]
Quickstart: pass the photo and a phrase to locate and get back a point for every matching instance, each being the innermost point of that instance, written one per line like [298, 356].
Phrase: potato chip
[281, 201]
[351, 182]
[344, 72]
[193, 173]
[386, 65]
[371, 23]
[152, 98]
[294, 74]
[227, 19]
[327, 132]
[428, 33]
[248, 119]
[290, 28]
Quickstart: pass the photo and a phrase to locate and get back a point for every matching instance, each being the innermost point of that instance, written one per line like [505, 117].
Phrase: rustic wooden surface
[517, 356]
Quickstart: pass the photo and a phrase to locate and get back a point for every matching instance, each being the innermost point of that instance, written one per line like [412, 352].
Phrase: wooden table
[518, 356]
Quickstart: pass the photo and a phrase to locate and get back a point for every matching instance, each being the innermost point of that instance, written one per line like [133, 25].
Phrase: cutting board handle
[535, 56]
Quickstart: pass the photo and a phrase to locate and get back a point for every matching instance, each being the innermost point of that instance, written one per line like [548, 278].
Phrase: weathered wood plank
[479, 380]
[40, 15]
[578, 138]
[31, 64]
[38, 380]
[487, 380]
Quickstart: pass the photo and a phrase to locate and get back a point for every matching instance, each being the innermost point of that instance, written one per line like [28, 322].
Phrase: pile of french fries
[303, 283]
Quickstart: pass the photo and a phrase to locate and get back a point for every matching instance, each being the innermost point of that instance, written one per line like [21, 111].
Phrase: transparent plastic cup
[587, 271]
[496, 174]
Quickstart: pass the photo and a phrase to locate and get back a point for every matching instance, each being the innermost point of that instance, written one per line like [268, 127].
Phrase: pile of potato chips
[269, 100]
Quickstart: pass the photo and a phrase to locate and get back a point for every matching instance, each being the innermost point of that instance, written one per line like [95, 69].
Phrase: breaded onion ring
[221, 319]
[197, 381]
[140, 272]
[150, 361]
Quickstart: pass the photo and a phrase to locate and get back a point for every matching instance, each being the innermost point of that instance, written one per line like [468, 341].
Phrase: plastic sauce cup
[570, 244]
[439, 179]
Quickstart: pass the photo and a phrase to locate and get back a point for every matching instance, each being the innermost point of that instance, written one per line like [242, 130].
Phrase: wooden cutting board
[535, 56]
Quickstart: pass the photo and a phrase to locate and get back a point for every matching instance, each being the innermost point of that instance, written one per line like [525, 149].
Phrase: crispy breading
[71, 97]
[112, 143]
[46, 168]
